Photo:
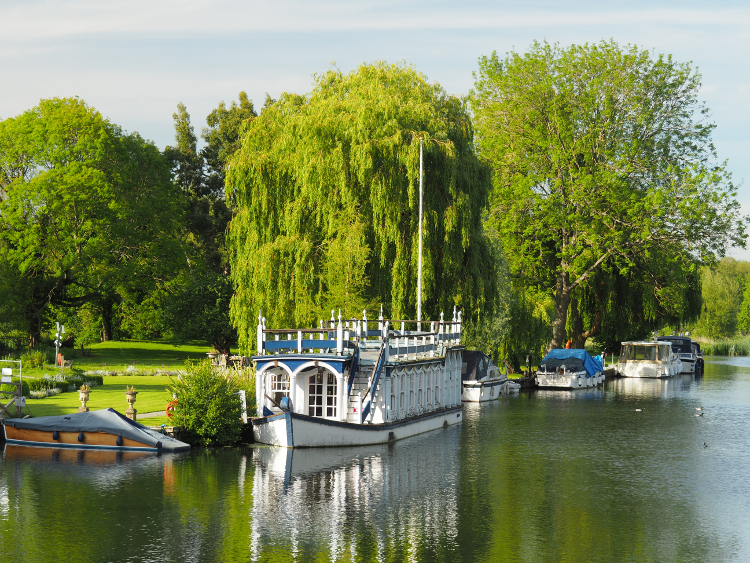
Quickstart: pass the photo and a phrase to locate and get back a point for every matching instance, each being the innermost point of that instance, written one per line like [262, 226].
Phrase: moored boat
[648, 359]
[481, 379]
[345, 384]
[104, 429]
[569, 369]
[683, 347]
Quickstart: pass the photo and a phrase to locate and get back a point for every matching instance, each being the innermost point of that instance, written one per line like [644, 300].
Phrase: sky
[136, 60]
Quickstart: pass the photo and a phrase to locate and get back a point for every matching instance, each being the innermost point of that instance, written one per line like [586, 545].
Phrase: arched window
[279, 386]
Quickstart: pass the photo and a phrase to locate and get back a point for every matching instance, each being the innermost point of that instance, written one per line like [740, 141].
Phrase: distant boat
[648, 359]
[104, 429]
[481, 379]
[683, 346]
[569, 369]
[346, 384]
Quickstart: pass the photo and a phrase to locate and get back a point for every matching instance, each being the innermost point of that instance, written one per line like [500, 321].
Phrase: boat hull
[576, 380]
[294, 430]
[649, 370]
[488, 390]
[91, 440]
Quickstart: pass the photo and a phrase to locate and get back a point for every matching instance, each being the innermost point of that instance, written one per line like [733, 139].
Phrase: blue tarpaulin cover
[590, 364]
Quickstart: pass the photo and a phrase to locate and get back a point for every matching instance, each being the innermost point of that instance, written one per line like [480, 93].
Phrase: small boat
[683, 347]
[481, 379]
[346, 384]
[104, 429]
[569, 369]
[648, 359]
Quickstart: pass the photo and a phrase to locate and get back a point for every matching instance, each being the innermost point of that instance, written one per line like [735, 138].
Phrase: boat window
[331, 396]
[279, 386]
[644, 352]
[625, 352]
[315, 407]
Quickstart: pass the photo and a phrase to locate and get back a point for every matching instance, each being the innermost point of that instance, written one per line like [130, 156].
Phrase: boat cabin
[359, 371]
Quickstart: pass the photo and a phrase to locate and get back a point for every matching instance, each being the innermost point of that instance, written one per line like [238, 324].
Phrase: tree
[326, 189]
[602, 159]
[196, 304]
[88, 213]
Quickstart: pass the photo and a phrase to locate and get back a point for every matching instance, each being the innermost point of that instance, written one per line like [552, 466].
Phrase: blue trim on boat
[289, 430]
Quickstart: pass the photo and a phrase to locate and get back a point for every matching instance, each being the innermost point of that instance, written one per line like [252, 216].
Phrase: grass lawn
[152, 396]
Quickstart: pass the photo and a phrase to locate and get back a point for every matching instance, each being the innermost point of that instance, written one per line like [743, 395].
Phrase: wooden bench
[85, 352]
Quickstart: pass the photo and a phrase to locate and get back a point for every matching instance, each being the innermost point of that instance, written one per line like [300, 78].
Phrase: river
[544, 476]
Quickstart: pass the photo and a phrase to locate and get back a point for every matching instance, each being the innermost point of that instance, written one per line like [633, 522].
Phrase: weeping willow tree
[327, 201]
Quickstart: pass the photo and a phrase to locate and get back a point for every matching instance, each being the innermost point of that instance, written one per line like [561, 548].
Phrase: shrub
[38, 385]
[38, 357]
[38, 393]
[208, 408]
[25, 391]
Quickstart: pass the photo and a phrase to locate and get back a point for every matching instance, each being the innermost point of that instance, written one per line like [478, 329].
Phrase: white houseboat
[482, 381]
[345, 384]
[569, 369]
[648, 359]
[682, 346]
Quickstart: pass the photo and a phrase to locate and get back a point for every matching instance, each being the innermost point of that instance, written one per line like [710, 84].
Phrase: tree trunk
[562, 302]
[106, 320]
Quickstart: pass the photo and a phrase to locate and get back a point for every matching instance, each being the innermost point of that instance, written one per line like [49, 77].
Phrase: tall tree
[88, 213]
[327, 202]
[601, 155]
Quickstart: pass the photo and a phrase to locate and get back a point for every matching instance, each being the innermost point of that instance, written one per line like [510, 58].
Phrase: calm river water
[544, 476]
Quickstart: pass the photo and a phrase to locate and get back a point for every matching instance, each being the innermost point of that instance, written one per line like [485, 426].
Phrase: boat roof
[106, 420]
[646, 342]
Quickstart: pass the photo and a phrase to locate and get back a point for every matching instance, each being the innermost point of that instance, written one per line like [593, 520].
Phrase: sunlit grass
[152, 396]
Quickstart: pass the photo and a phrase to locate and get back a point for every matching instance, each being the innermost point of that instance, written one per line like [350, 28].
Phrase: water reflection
[612, 474]
[389, 502]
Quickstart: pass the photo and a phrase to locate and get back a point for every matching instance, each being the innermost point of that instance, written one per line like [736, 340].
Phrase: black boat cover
[106, 420]
[475, 365]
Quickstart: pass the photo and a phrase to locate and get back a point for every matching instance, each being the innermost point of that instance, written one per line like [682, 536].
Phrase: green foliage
[327, 195]
[38, 357]
[603, 162]
[208, 408]
[722, 296]
[25, 391]
[726, 347]
[88, 213]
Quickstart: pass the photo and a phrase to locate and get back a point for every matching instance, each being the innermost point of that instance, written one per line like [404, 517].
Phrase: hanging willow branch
[327, 193]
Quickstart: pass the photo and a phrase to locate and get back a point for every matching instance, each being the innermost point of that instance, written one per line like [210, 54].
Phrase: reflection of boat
[104, 429]
[481, 380]
[69, 455]
[569, 369]
[683, 347]
[305, 497]
[348, 385]
[648, 359]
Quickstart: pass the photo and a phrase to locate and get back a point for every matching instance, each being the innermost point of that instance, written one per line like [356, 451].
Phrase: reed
[738, 346]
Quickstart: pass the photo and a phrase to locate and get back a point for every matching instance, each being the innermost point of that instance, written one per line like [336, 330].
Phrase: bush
[25, 391]
[38, 393]
[38, 357]
[208, 409]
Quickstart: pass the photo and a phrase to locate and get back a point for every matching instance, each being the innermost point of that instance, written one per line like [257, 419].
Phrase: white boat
[683, 346]
[345, 384]
[569, 369]
[481, 379]
[648, 359]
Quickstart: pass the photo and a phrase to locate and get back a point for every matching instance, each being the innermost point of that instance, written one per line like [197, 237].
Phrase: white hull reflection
[652, 388]
[312, 498]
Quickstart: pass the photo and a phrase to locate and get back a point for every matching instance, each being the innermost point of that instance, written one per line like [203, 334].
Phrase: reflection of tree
[167, 508]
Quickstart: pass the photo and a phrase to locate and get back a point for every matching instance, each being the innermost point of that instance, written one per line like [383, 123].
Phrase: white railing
[338, 336]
